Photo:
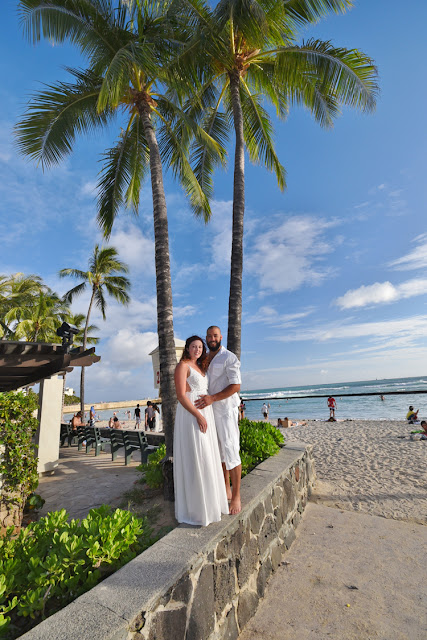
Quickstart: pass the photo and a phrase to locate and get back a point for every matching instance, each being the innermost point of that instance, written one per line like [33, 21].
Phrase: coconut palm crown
[245, 56]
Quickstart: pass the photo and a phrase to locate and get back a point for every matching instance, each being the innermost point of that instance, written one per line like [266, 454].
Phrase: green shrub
[53, 561]
[152, 470]
[258, 441]
[18, 465]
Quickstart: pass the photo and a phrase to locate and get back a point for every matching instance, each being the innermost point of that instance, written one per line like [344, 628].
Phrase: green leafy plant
[53, 561]
[258, 441]
[18, 461]
[152, 470]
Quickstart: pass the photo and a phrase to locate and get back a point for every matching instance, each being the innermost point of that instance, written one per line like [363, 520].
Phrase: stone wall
[198, 583]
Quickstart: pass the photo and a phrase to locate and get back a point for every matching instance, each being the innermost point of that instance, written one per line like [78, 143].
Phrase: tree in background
[103, 277]
[244, 56]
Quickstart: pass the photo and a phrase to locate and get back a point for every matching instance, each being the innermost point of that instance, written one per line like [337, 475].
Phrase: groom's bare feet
[229, 494]
[235, 506]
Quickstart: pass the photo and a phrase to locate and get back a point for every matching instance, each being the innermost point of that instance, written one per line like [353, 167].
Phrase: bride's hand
[203, 425]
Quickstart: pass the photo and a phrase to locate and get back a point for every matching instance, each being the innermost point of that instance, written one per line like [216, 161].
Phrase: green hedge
[53, 561]
[258, 441]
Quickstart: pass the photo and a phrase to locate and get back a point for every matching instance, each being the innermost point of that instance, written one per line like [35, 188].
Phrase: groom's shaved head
[214, 326]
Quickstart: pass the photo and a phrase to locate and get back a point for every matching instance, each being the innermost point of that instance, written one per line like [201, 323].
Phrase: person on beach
[92, 416]
[116, 423]
[332, 405]
[224, 385]
[412, 416]
[242, 409]
[137, 416]
[150, 417]
[200, 495]
[424, 431]
[264, 411]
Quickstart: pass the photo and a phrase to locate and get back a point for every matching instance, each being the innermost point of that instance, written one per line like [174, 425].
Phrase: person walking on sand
[137, 416]
[223, 394]
[332, 405]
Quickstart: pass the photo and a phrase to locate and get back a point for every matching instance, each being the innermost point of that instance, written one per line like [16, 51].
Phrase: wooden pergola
[25, 363]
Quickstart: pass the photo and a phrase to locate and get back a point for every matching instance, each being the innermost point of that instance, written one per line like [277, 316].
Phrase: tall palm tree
[245, 55]
[128, 44]
[103, 277]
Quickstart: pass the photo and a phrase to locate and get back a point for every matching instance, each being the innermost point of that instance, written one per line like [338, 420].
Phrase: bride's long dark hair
[202, 361]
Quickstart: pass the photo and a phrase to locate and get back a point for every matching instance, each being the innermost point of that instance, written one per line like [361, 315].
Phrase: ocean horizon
[286, 401]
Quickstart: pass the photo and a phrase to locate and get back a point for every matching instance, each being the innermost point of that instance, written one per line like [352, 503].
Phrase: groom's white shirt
[223, 370]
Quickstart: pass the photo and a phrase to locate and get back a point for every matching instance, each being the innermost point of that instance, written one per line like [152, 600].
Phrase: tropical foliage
[54, 560]
[18, 460]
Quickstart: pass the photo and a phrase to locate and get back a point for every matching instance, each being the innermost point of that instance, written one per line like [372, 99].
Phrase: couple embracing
[206, 435]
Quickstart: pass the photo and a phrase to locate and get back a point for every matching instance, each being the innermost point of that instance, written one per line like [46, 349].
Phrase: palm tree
[245, 54]
[128, 44]
[102, 277]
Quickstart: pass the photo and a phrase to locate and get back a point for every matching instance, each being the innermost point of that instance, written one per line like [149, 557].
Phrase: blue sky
[335, 284]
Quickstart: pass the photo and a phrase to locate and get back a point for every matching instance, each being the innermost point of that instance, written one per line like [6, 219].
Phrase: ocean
[359, 407]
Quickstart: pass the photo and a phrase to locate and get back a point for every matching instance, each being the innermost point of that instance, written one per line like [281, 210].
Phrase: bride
[200, 495]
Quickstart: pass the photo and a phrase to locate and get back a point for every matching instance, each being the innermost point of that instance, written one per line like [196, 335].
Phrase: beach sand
[357, 568]
[365, 466]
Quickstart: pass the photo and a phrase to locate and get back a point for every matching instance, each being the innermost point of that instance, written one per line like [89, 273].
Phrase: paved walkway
[341, 558]
[83, 481]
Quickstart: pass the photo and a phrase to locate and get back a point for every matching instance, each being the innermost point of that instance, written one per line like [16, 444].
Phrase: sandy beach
[356, 570]
[366, 466]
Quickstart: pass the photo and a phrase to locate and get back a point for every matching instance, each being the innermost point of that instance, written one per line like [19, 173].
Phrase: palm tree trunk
[236, 277]
[167, 353]
[82, 372]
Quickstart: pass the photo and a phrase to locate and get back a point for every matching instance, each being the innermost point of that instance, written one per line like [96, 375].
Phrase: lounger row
[91, 437]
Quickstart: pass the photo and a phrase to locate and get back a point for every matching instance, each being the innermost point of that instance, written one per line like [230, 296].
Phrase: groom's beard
[214, 346]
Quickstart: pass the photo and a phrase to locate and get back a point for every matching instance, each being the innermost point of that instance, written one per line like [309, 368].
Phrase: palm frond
[125, 167]
[258, 132]
[55, 116]
[304, 12]
[74, 292]
[348, 75]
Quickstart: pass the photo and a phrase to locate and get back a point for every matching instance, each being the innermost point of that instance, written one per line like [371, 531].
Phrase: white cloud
[134, 248]
[285, 257]
[381, 292]
[89, 188]
[129, 349]
[415, 259]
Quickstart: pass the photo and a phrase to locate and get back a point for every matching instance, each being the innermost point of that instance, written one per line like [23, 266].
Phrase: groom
[224, 384]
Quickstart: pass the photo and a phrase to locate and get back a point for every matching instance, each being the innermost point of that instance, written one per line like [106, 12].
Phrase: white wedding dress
[200, 495]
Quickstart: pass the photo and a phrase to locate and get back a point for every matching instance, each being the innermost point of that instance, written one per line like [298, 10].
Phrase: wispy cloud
[287, 255]
[409, 328]
[269, 315]
[415, 259]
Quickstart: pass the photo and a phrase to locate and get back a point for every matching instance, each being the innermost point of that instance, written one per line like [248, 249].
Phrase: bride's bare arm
[181, 375]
